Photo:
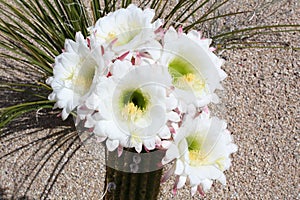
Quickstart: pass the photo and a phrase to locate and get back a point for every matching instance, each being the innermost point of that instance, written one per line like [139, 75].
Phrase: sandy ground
[262, 110]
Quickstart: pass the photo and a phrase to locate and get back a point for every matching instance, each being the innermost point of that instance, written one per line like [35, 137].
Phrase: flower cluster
[137, 85]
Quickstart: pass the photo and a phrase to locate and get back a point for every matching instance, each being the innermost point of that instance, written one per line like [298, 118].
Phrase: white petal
[112, 144]
[194, 190]
[206, 184]
[181, 182]
[173, 116]
[171, 154]
[179, 167]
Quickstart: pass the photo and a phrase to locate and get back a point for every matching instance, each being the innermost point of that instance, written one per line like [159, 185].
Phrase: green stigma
[185, 76]
[179, 67]
[136, 97]
[194, 142]
[133, 104]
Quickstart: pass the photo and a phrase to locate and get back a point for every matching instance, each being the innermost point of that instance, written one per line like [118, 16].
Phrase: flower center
[134, 104]
[127, 36]
[196, 155]
[189, 77]
[111, 35]
[131, 112]
[184, 75]
[83, 78]
[190, 81]
[179, 67]
[197, 158]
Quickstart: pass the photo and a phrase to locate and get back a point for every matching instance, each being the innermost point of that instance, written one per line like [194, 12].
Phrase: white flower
[133, 106]
[194, 68]
[126, 29]
[202, 148]
[73, 74]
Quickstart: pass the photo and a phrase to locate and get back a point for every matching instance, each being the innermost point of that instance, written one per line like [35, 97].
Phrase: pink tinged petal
[180, 30]
[146, 149]
[88, 42]
[138, 60]
[168, 174]
[120, 150]
[112, 43]
[206, 110]
[102, 50]
[200, 190]
[174, 191]
[172, 130]
[212, 49]
[144, 55]
[200, 34]
[132, 60]
[160, 32]
[123, 56]
[112, 144]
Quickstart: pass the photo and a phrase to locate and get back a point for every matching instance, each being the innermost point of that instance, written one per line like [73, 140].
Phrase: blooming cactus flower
[73, 74]
[195, 70]
[134, 108]
[202, 147]
[127, 29]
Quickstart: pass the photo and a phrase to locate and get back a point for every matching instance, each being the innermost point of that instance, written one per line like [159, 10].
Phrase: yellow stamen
[190, 80]
[111, 35]
[197, 158]
[131, 112]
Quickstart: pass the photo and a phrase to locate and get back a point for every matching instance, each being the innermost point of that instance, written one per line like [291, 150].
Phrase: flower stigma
[184, 76]
[131, 112]
[133, 105]
[196, 155]
[82, 79]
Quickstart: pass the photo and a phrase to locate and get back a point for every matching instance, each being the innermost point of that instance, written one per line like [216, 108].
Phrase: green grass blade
[96, 9]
